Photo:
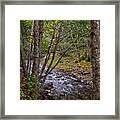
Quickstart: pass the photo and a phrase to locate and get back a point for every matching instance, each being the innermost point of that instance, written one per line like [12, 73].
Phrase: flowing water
[64, 86]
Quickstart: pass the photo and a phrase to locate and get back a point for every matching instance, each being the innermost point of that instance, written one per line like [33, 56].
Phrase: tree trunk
[35, 55]
[40, 44]
[47, 56]
[95, 49]
[22, 57]
[37, 41]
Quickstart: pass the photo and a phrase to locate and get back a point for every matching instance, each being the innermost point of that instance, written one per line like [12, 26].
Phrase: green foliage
[26, 24]
[45, 44]
[30, 89]
[31, 83]
[22, 95]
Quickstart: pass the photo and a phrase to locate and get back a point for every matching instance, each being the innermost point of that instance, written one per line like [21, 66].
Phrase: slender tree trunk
[55, 45]
[47, 55]
[51, 68]
[30, 50]
[22, 58]
[95, 48]
[53, 57]
[22, 65]
[36, 35]
[40, 44]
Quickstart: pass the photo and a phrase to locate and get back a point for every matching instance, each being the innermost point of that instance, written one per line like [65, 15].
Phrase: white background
[15, 106]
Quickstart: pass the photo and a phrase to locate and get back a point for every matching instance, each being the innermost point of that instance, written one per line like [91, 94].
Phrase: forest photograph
[59, 59]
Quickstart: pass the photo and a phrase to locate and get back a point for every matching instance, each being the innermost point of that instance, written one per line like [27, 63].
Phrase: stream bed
[60, 85]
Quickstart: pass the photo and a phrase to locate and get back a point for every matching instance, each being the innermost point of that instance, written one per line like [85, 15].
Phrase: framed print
[59, 60]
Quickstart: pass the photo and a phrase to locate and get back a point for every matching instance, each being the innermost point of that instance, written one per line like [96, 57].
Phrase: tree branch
[47, 56]
[56, 63]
